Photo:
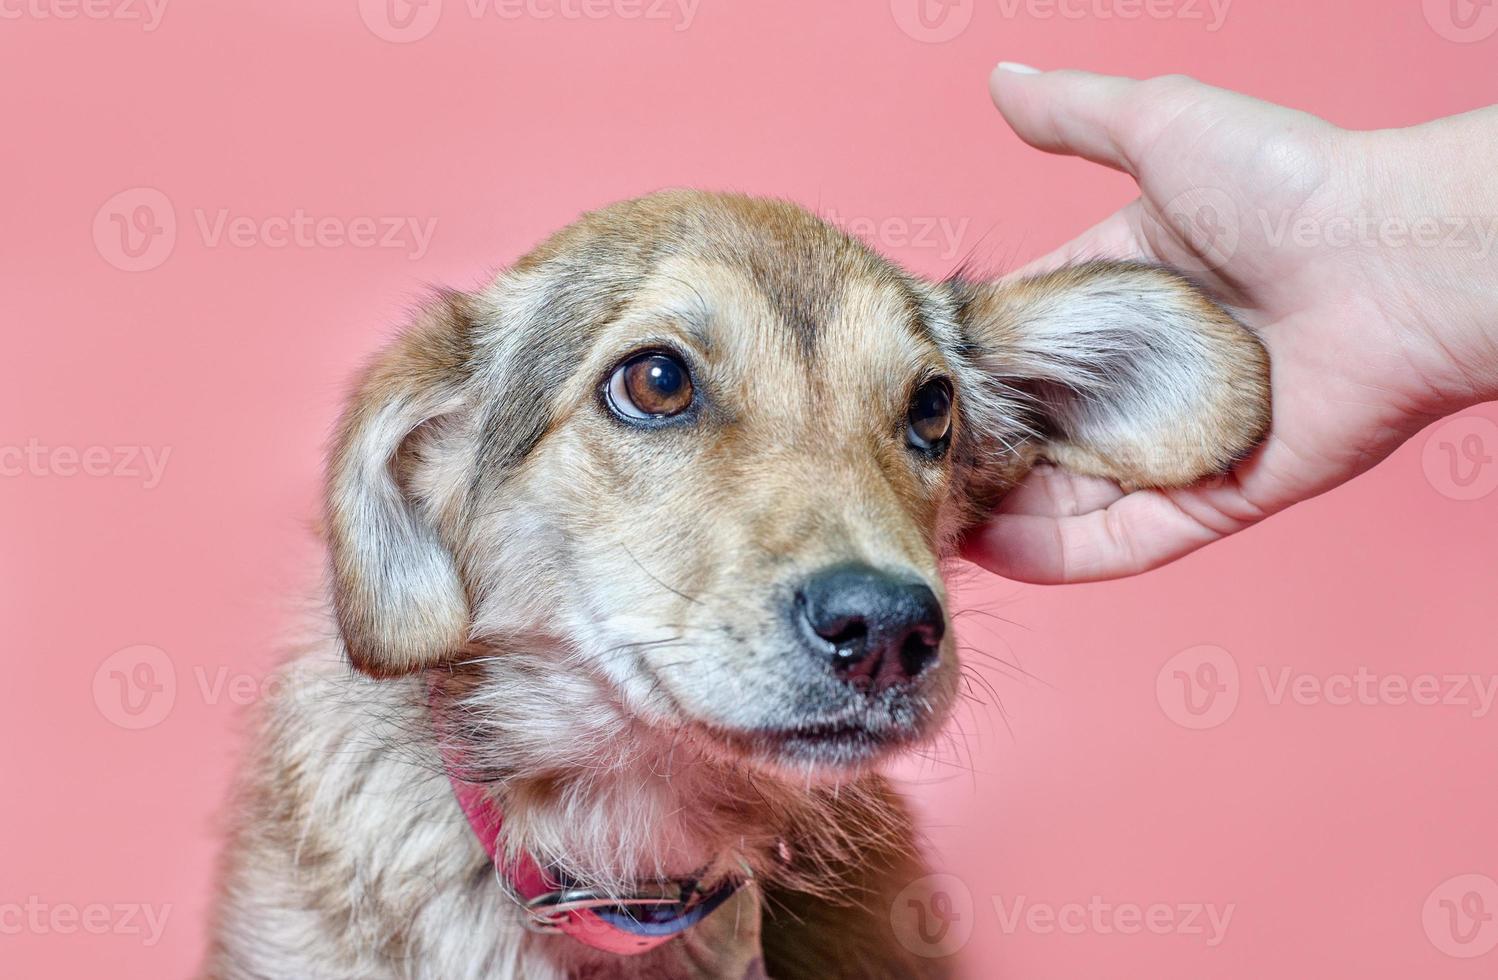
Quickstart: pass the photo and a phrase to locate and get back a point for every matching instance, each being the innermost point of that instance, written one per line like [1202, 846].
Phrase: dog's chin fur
[819, 754]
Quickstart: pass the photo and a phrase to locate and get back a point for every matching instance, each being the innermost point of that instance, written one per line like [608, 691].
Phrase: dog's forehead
[734, 310]
[795, 270]
[772, 261]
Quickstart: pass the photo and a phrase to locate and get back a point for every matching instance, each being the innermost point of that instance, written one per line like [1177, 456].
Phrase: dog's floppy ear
[1130, 371]
[399, 599]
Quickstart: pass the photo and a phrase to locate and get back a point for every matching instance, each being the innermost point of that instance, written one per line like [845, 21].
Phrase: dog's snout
[878, 630]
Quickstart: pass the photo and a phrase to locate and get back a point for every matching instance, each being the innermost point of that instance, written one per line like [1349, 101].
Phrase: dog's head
[707, 453]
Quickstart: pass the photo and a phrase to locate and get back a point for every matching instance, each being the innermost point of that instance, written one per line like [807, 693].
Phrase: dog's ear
[1129, 371]
[399, 599]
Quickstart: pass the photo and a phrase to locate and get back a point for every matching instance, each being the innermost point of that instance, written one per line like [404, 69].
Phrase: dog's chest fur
[353, 860]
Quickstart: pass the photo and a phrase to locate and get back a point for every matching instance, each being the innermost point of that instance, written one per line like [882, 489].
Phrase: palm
[1216, 196]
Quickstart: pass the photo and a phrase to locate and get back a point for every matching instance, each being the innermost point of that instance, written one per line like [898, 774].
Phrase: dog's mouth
[834, 746]
[795, 718]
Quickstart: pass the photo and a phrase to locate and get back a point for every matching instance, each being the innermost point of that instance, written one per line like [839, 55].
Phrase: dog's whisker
[973, 676]
[995, 662]
[975, 611]
[656, 579]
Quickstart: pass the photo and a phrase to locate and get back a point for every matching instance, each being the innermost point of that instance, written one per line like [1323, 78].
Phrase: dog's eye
[650, 386]
[931, 414]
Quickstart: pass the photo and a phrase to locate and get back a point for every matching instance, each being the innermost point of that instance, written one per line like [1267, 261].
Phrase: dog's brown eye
[650, 386]
[931, 414]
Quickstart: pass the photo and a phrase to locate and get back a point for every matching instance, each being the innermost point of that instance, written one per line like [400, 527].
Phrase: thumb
[1102, 118]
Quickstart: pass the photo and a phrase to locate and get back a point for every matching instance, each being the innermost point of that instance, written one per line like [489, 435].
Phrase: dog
[636, 556]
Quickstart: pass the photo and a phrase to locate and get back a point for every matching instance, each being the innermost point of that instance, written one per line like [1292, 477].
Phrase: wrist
[1437, 273]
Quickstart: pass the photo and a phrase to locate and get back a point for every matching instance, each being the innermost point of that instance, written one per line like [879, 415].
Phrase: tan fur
[1217, 413]
[598, 611]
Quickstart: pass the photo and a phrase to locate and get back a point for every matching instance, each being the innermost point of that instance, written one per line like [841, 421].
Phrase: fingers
[1136, 533]
[1102, 118]
[1049, 491]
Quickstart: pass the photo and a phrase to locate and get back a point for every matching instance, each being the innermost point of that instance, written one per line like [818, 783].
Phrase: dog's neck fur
[598, 794]
[356, 830]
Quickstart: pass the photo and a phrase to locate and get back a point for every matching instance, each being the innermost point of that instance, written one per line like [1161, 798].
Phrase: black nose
[879, 630]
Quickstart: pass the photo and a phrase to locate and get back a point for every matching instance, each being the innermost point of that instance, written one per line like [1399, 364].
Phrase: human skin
[1366, 261]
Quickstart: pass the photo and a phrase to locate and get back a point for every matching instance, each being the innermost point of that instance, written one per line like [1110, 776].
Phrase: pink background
[1325, 827]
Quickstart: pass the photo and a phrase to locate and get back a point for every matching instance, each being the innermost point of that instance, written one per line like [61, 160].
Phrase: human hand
[1296, 225]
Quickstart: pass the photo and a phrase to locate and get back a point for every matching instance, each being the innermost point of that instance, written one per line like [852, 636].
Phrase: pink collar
[659, 912]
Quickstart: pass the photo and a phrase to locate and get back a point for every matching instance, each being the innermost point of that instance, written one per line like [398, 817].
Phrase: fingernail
[1018, 68]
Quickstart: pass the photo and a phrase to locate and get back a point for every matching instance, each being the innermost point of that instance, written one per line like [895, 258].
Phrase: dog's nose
[878, 630]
